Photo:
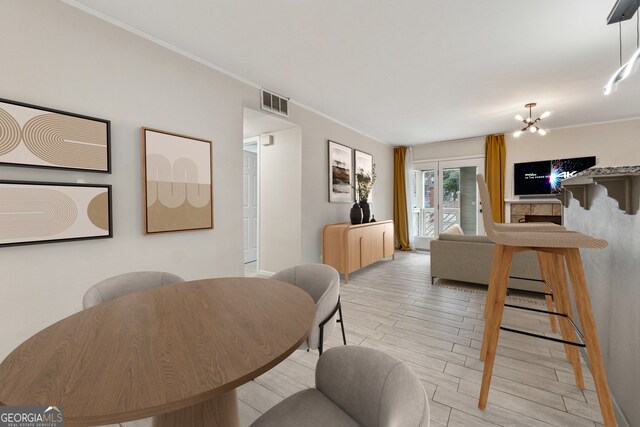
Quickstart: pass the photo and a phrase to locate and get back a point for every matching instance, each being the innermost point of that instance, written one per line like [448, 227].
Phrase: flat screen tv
[544, 177]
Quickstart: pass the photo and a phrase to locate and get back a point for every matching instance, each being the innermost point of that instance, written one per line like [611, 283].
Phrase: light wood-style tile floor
[392, 306]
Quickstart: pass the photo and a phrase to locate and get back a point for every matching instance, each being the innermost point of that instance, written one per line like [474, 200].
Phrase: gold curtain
[400, 199]
[495, 160]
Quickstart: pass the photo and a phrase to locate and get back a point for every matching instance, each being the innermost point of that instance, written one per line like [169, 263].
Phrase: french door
[444, 193]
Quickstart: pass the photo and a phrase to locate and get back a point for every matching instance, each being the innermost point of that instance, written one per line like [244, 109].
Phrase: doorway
[272, 193]
[444, 193]
[250, 199]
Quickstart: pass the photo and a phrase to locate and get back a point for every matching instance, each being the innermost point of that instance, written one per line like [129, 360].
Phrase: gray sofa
[456, 256]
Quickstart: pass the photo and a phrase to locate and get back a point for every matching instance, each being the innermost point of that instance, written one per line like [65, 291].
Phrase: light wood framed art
[340, 173]
[46, 212]
[46, 138]
[177, 182]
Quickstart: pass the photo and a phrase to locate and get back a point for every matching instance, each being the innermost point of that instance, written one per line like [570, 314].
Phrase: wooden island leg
[563, 302]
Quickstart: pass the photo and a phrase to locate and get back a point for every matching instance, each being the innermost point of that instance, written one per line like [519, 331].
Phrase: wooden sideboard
[348, 247]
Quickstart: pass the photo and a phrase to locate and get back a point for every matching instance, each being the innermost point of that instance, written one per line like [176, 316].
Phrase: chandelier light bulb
[532, 125]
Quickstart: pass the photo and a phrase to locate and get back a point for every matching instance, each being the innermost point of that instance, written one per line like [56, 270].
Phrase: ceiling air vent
[275, 103]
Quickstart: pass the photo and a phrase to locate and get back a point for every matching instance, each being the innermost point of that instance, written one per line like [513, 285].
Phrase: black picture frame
[108, 187]
[107, 124]
[340, 172]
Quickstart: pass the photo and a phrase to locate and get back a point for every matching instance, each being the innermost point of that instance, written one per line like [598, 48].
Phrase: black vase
[356, 214]
[366, 212]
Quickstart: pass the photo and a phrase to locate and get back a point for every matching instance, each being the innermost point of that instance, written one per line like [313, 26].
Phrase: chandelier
[531, 124]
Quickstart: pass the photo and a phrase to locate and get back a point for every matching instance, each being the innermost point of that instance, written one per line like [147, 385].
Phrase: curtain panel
[495, 161]
[400, 216]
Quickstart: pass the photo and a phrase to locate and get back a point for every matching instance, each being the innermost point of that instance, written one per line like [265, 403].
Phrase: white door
[458, 194]
[250, 205]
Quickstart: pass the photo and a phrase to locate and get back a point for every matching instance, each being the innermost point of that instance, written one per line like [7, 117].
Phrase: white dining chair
[322, 282]
[127, 283]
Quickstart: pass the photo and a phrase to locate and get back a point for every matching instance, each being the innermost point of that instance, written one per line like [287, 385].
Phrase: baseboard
[620, 418]
[622, 421]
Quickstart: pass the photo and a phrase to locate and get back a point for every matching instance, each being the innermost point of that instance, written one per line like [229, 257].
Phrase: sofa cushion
[454, 230]
[463, 238]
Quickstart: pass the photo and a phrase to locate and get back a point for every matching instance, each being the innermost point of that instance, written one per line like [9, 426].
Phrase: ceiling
[408, 72]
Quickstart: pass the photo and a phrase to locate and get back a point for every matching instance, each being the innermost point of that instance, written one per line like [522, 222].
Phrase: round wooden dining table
[175, 353]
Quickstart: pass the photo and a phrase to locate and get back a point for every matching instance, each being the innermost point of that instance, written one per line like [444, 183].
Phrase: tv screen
[544, 177]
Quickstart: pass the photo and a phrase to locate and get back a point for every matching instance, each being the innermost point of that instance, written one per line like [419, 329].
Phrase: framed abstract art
[177, 186]
[44, 212]
[42, 137]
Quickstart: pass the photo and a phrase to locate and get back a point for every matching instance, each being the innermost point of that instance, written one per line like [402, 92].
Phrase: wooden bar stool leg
[583, 304]
[492, 325]
[545, 274]
[563, 302]
[552, 321]
[491, 292]
[492, 279]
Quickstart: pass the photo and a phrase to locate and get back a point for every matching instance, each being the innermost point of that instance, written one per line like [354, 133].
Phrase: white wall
[472, 147]
[613, 144]
[280, 204]
[316, 209]
[58, 57]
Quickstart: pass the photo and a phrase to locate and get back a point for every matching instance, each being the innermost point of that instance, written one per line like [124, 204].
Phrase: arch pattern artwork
[37, 136]
[34, 212]
[10, 132]
[173, 185]
[177, 182]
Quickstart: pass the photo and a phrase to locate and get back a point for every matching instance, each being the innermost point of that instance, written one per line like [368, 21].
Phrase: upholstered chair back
[127, 283]
[322, 282]
[374, 388]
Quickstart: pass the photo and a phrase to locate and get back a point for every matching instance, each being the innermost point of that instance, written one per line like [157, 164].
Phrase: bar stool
[554, 249]
[549, 274]
[487, 216]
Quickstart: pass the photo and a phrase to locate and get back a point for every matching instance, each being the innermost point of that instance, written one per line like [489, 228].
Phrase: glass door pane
[429, 205]
[460, 196]
[450, 198]
[445, 193]
[425, 204]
